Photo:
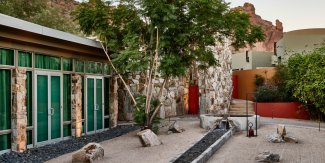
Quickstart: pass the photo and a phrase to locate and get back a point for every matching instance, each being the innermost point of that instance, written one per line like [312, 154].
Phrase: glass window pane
[79, 66]
[67, 64]
[24, 59]
[5, 108]
[107, 69]
[5, 100]
[66, 97]
[6, 57]
[29, 98]
[47, 62]
[94, 68]
[66, 130]
[5, 142]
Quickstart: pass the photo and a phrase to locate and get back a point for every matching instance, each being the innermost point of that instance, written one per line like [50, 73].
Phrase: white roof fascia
[12, 22]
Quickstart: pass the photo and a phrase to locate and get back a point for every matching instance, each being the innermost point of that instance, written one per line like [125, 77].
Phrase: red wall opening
[235, 86]
[193, 99]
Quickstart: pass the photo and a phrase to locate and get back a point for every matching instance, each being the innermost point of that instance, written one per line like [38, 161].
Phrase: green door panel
[99, 106]
[55, 107]
[42, 108]
[90, 104]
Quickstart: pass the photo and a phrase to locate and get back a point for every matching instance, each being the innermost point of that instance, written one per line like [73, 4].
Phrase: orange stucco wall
[246, 80]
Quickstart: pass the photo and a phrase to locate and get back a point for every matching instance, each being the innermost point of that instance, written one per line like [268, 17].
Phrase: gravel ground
[44, 153]
[128, 149]
[240, 148]
[200, 146]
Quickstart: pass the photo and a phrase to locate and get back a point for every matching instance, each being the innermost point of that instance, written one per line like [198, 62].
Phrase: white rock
[148, 138]
[267, 157]
[89, 153]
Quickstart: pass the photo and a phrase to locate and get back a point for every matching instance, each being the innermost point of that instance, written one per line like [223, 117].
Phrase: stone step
[241, 109]
[241, 113]
[242, 105]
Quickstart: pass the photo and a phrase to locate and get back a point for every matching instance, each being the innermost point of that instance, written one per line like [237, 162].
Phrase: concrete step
[236, 108]
[242, 105]
[241, 113]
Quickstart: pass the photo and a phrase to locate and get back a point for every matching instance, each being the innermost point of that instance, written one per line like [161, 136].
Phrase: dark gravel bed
[198, 148]
[44, 153]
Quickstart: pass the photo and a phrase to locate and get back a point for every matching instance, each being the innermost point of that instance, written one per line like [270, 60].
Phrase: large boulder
[267, 157]
[175, 128]
[148, 138]
[88, 153]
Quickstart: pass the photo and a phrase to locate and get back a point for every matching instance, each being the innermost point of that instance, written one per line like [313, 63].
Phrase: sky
[294, 14]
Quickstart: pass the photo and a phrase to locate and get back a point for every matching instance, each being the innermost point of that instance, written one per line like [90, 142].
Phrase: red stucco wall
[281, 110]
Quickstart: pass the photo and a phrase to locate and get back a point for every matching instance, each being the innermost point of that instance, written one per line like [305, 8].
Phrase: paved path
[292, 122]
[128, 149]
[310, 149]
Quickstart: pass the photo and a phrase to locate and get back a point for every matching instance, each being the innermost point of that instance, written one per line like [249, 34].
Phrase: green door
[55, 107]
[48, 101]
[94, 104]
[42, 108]
[99, 104]
[90, 104]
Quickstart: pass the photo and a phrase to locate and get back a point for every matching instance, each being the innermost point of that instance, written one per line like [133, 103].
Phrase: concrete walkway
[292, 122]
[310, 149]
[128, 149]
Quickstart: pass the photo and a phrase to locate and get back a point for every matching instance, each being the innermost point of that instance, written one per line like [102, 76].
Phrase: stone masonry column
[76, 109]
[113, 102]
[18, 111]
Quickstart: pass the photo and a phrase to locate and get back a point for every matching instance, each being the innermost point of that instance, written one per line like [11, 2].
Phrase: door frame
[48, 74]
[95, 98]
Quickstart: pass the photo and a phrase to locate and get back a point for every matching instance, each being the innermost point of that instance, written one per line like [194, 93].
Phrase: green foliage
[259, 80]
[185, 29]
[37, 11]
[270, 93]
[140, 115]
[306, 77]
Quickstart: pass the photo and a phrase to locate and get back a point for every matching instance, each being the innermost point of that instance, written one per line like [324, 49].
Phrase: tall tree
[138, 33]
[38, 11]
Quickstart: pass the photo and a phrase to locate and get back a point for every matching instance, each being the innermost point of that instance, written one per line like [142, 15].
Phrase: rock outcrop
[273, 33]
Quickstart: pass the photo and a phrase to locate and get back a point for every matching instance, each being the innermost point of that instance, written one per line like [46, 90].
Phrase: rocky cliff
[273, 33]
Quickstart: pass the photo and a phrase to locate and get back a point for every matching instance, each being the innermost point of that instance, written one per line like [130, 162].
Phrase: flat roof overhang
[23, 32]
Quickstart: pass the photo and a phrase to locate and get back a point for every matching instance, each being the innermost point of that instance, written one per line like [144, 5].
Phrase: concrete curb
[204, 157]
[180, 154]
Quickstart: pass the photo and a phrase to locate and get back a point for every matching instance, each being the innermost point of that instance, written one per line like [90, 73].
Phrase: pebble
[48, 152]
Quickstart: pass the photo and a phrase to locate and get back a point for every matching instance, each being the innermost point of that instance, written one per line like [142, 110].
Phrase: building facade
[53, 85]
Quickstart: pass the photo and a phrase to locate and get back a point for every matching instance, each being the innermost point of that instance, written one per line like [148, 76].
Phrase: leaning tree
[163, 36]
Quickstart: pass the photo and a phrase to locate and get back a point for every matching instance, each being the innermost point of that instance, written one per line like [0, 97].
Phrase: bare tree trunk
[119, 75]
[158, 97]
[153, 69]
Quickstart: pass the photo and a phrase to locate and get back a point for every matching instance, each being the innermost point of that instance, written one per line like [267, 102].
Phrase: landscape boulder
[88, 153]
[175, 128]
[148, 138]
[275, 138]
[267, 156]
[281, 130]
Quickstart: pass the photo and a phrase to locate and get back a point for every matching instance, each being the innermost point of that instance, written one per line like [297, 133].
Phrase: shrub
[306, 77]
[140, 116]
[270, 93]
[259, 80]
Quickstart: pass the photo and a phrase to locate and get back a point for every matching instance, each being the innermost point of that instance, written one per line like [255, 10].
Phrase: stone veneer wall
[215, 84]
[76, 109]
[18, 111]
